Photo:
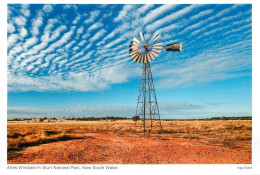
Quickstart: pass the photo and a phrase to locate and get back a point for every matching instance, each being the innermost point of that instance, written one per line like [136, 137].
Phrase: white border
[138, 169]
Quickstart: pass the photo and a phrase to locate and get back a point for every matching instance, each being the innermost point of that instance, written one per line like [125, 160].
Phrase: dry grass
[232, 134]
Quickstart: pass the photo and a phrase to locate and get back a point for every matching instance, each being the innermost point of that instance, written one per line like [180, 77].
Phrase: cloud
[156, 13]
[116, 41]
[95, 26]
[93, 111]
[76, 20]
[175, 110]
[71, 111]
[115, 74]
[124, 12]
[23, 32]
[144, 8]
[170, 107]
[201, 14]
[212, 65]
[10, 28]
[25, 12]
[216, 103]
[12, 39]
[47, 8]
[20, 21]
[93, 15]
[97, 50]
[168, 28]
[36, 23]
[171, 17]
[29, 42]
[98, 35]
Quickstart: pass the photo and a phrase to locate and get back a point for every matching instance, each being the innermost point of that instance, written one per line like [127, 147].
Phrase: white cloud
[12, 39]
[64, 39]
[124, 12]
[206, 24]
[29, 42]
[38, 21]
[144, 8]
[93, 15]
[80, 31]
[201, 14]
[95, 26]
[23, 32]
[167, 19]
[116, 41]
[35, 31]
[20, 21]
[115, 74]
[10, 28]
[98, 35]
[72, 111]
[169, 28]
[171, 110]
[152, 15]
[211, 65]
[76, 20]
[47, 8]
[25, 10]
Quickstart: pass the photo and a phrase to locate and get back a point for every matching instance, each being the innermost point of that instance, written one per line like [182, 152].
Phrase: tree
[135, 118]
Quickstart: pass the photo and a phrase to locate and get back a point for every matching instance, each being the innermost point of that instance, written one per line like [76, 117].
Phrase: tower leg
[147, 106]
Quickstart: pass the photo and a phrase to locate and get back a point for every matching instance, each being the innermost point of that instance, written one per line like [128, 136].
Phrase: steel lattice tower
[147, 106]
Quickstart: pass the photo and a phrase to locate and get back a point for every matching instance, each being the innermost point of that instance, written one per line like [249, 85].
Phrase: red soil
[101, 148]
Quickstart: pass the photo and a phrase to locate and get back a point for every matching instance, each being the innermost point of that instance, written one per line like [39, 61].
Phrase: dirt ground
[135, 148]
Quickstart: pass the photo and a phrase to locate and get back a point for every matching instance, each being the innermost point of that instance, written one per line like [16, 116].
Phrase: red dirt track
[110, 148]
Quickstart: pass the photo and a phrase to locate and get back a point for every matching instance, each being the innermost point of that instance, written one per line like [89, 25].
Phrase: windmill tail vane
[144, 50]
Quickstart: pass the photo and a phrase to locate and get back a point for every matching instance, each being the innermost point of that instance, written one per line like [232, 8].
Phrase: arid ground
[123, 142]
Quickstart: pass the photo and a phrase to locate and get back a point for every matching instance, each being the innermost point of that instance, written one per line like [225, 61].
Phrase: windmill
[144, 51]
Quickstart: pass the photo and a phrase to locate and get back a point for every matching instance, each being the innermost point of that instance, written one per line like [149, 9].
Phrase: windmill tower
[144, 52]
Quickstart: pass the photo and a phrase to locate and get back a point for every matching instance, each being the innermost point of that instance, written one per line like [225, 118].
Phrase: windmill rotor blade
[142, 37]
[155, 50]
[133, 46]
[138, 58]
[145, 58]
[157, 47]
[151, 56]
[157, 44]
[156, 38]
[130, 50]
[134, 43]
[133, 52]
[153, 53]
[148, 58]
[134, 57]
[136, 40]
[141, 59]
[153, 37]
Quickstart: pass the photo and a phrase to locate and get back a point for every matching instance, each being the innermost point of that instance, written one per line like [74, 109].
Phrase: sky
[73, 61]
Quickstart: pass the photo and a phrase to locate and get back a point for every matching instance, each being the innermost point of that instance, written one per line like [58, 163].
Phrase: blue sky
[72, 60]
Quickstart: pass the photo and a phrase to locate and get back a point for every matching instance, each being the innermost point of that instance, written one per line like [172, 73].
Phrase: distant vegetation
[134, 118]
[230, 118]
[97, 118]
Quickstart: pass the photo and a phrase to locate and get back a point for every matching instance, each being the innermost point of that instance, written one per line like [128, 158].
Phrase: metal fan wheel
[147, 49]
